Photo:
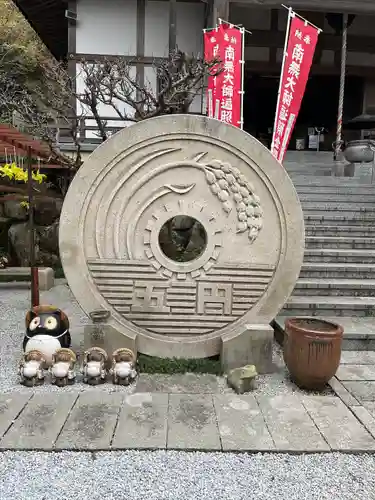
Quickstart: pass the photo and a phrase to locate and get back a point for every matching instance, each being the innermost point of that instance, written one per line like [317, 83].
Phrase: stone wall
[15, 234]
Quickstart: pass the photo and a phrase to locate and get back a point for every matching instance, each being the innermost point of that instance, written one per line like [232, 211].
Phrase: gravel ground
[14, 305]
[185, 476]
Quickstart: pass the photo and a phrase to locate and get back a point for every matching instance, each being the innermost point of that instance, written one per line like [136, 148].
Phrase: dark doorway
[318, 109]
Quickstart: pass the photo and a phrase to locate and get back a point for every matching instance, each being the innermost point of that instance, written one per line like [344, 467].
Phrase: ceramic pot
[358, 152]
[312, 351]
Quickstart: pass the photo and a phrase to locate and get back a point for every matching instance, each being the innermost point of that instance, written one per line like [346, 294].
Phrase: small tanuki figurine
[31, 368]
[47, 329]
[63, 367]
[94, 366]
[123, 369]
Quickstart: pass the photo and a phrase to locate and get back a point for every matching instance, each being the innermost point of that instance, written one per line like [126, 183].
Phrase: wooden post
[33, 268]
[172, 25]
[220, 11]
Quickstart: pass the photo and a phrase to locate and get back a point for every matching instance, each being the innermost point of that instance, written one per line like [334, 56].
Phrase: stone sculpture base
[252, 346]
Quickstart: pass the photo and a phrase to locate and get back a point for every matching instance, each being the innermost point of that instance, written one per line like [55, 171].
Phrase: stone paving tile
[92, 422]
[356, 372]
[40, 423]
[342, 392]
[357, 358]
[10, 407]
[142, 422]
[365, 417]
[370, 406]
[290, 426]
[362, 391]
[192, 423]
[241, 424]
[337, 424]
[187, 383]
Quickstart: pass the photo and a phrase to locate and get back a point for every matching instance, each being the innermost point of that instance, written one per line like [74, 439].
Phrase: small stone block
[192, 423]
[337, 424]
[92, 422]
[39, 425]
[142, 423]
[251, 347]
[290, 425]
[46, 277]
[242, 379]
[10, 407]
[241, 424]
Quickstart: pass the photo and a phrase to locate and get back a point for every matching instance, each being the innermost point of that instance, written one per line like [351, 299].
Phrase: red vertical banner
[229, 87]
[224, 91]
[298, 58]
[212, 45]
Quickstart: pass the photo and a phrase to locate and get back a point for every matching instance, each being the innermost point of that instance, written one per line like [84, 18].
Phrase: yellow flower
[19, 174]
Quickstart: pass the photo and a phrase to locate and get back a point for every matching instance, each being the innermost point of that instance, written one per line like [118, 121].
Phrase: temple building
[142, 30]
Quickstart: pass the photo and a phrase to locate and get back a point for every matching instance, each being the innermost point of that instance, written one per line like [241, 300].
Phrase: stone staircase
[337, 279]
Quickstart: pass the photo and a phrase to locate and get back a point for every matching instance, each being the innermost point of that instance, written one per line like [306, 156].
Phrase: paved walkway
[112, 421]
[190, 412]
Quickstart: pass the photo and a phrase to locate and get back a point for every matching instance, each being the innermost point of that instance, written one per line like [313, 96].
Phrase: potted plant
[312, 351]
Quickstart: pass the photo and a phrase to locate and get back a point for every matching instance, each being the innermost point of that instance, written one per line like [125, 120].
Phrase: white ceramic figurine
[31, 368]
[63, 367]
[94, 366]
[123, 369]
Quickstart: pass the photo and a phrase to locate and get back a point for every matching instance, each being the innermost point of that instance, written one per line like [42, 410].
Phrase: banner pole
[242, 75]
[303, 19]
[239, 26]
[290, 15]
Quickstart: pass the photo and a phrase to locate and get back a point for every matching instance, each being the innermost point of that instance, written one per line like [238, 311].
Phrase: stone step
[340, 231]
[362, 220]
[359, 332]
[348, 182]
[335, 287]
[340, 242]
[337, 271]
[316, 305]
[337, 199]
[365, 191]
[341, 208]
[359, 256]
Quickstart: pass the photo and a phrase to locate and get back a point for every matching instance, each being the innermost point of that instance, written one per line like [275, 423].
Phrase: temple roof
[47, 17]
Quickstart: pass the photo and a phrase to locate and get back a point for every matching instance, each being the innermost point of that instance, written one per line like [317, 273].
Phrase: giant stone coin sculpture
[230, 211]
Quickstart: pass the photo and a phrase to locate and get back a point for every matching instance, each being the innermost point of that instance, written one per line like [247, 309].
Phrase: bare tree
[113, 83]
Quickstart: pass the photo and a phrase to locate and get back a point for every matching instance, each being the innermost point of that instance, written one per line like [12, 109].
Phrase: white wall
[107, 27]
[156, 29]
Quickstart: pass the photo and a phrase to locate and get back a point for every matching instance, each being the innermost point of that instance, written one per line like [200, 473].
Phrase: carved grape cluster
[231, 187]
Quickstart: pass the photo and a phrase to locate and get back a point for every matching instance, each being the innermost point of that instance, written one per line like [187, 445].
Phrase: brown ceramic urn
[312, 350]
